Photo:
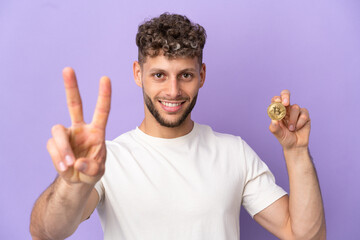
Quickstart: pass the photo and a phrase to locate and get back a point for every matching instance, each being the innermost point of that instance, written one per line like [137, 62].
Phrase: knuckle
[296, 107]
[305, 110]
[304, 117]
[103, 109]
[56, 128]
[73, 103]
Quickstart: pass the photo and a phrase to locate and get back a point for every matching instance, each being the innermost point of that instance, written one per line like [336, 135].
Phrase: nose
[173, 88]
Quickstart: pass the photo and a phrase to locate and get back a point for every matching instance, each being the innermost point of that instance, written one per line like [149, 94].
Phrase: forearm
[305, 202]
[58, 211]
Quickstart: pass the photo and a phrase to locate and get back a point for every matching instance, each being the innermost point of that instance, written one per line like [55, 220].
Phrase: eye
[158, 75]
[186, 75]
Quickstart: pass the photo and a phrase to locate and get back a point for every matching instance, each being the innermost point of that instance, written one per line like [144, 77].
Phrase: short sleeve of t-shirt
[260, 189]
[99, 186]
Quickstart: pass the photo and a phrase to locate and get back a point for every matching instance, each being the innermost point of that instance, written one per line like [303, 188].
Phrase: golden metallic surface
[276, 111]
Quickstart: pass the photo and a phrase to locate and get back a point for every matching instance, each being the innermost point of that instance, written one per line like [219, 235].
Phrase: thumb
[276, 129]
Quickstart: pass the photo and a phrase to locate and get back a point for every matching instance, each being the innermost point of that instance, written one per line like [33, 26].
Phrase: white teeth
[170, 104]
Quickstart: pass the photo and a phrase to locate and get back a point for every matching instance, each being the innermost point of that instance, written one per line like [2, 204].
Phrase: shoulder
[207, 132]
[226, 140]
[221, 141]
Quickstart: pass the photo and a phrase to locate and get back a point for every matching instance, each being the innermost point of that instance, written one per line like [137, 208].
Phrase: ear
[137, 73]
[202, 74]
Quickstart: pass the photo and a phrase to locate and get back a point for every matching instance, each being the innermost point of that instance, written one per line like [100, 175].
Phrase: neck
[153, 128]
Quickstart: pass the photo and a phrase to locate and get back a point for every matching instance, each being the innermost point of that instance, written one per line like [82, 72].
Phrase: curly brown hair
[172, 35]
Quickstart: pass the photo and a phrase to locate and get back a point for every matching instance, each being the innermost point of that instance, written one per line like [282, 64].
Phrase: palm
[89, 143]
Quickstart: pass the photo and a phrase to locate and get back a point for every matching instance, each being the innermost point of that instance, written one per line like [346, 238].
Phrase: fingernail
[285, 101]
[82, 167]
[69, 160]
[274, 123]
[62, 166]
[291, 127]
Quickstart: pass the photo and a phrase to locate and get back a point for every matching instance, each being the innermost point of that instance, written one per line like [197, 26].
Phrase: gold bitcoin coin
[276, 111]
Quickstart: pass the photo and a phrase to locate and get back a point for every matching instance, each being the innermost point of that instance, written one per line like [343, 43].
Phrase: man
[171, 178]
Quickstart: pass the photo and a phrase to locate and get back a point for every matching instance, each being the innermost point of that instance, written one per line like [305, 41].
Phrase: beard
[162, 121]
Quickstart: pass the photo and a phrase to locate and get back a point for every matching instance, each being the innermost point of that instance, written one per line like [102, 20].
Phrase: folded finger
[73, 96]
[102, 109]
[303, 118]
[293, 117]
[89, 167]
[62, 142]
[285, 97]
[55, 156]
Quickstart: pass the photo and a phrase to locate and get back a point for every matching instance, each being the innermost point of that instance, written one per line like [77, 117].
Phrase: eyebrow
[162, 70]
[156, 70]
[188, 70]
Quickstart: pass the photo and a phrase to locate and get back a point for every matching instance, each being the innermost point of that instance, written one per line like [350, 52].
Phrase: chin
[171, 123]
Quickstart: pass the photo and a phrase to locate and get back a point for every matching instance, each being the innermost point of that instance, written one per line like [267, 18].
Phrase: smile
[171, 106]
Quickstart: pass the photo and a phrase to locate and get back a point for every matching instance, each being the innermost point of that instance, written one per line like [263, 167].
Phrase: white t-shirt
[189, 187]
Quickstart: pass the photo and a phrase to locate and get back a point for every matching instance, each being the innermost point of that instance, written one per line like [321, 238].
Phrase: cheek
[192, 90]
[150, 89]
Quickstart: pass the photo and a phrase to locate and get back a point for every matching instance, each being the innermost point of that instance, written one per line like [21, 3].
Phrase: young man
[171, 178]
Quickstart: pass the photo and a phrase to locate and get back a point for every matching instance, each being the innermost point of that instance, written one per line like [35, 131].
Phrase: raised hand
[294, 130]
[79, 152]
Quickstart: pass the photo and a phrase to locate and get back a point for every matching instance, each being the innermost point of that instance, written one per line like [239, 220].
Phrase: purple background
[255, 48]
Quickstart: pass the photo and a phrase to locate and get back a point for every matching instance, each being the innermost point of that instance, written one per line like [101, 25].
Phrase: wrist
[68, 189]
[296, 151]
[298, 158]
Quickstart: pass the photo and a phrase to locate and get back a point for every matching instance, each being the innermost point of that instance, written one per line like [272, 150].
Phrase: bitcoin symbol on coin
[276, 111]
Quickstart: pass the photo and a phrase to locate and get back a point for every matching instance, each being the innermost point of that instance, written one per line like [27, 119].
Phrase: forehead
[170, 64]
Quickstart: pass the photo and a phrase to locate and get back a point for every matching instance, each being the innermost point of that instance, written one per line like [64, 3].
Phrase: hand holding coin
[290, 124]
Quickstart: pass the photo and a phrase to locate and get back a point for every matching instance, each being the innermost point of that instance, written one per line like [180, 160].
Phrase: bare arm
[78, 154]
[301, 214]
[60, 209]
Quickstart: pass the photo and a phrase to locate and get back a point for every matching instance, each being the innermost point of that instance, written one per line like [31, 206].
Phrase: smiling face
[170, 88]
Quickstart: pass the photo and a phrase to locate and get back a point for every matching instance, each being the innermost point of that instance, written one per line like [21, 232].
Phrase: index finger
[73, 98]
[102, 108]
[285, 97]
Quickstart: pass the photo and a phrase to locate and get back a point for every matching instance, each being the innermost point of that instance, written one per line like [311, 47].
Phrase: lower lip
[171, 109]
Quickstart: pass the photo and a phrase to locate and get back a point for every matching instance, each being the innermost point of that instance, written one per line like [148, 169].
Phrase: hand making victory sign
[79, 152]
[294, 130]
